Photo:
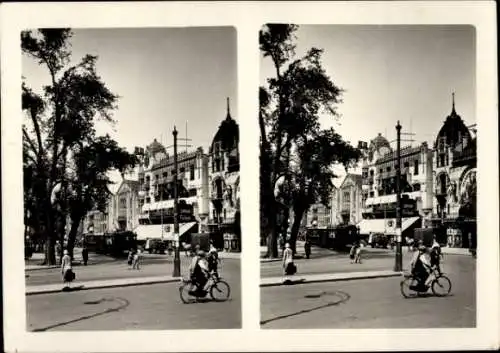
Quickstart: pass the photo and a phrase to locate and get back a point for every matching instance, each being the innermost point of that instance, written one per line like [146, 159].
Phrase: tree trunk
[267, 205]
[272, 237]
[75, 223]
[298, 213]
[50, 251]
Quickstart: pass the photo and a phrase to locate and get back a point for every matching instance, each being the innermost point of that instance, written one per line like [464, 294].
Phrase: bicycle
[410, 286]
[218, 289]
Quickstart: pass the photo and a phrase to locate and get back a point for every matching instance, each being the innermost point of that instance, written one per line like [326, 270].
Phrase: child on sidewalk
[136, 262]
[355, 253]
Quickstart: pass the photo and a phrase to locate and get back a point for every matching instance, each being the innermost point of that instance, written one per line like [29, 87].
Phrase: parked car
[380, 240]
[155, 246]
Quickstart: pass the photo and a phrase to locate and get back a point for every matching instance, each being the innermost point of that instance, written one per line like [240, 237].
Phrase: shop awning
[154, 231]
[386, 226]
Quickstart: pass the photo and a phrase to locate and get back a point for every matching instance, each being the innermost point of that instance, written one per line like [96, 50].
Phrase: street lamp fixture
[398, 266]
[177, 259]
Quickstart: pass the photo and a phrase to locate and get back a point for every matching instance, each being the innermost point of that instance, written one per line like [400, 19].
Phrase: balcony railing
[467, 156]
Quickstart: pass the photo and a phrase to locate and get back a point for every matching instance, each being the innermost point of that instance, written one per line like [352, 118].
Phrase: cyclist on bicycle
[213, 260]
[421, 267]
[199, 271]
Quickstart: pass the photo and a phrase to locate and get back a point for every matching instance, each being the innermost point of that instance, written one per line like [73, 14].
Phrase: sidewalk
[96, 259]
[325, 277]
[123, 282]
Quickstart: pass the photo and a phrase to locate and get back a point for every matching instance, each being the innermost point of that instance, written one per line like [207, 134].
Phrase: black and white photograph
[131, 178]
[368, 176]
[259, 176]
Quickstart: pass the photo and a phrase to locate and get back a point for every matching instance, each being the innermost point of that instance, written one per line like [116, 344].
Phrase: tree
[88, 181]
[60, 128]
[290, 106]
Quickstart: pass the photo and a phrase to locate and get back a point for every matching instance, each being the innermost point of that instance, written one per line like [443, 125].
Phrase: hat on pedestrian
[201, 253]
[65, 252]
[287, 245]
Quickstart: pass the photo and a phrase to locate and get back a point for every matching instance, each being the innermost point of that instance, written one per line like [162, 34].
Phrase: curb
[97, 285]
[338, 278]
[269, 260]
[38, 268]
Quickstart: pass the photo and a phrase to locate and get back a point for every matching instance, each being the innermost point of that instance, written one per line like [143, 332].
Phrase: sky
[164, 77]
[391, 73]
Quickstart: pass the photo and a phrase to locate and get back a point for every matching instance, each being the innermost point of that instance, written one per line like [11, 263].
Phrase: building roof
[228, 133]
[379, 141]
[453, 129]
[155, 147]
[356, 178]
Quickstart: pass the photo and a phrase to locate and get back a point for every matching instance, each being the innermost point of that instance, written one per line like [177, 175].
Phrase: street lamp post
[177, 260]
[398, 266]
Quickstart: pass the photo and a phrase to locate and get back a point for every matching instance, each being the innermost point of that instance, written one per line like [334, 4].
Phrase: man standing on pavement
[307, 247]
[85, 254]
[59, 254]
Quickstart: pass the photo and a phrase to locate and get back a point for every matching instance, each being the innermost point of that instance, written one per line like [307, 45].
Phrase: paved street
[142, 307]
[372, 303]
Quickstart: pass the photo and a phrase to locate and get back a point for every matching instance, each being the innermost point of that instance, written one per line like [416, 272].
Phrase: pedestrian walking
[289, 267]
[307, 247]
[130, 258]
[66, 269]
[85, 255]
[281, 241]
[352, 253]
[59, 253]
[137, 260]
[357, 254]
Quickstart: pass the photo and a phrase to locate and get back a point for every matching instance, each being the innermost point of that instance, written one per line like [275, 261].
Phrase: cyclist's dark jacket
[198, 275]
[419, 270]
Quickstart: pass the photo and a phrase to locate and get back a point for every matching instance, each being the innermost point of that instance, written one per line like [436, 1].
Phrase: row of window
[172, 173]
[388, 169]
[389, 190]
[169, 195]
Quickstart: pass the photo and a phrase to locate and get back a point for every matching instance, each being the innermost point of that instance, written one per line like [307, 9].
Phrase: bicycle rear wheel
[184, 293]
[441, 286]
[220, 291]
[406, 286]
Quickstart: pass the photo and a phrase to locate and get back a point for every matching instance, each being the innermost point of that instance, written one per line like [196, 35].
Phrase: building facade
[96, 222]
[319, 216]
[454, 206]
[124, 208]
[224, 183]
[379, 198]
[349, 200]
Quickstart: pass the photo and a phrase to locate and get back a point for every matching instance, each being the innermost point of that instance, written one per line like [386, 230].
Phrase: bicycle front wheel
[220, 291]
[406, 286]
[184, 293]
[441, 286]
